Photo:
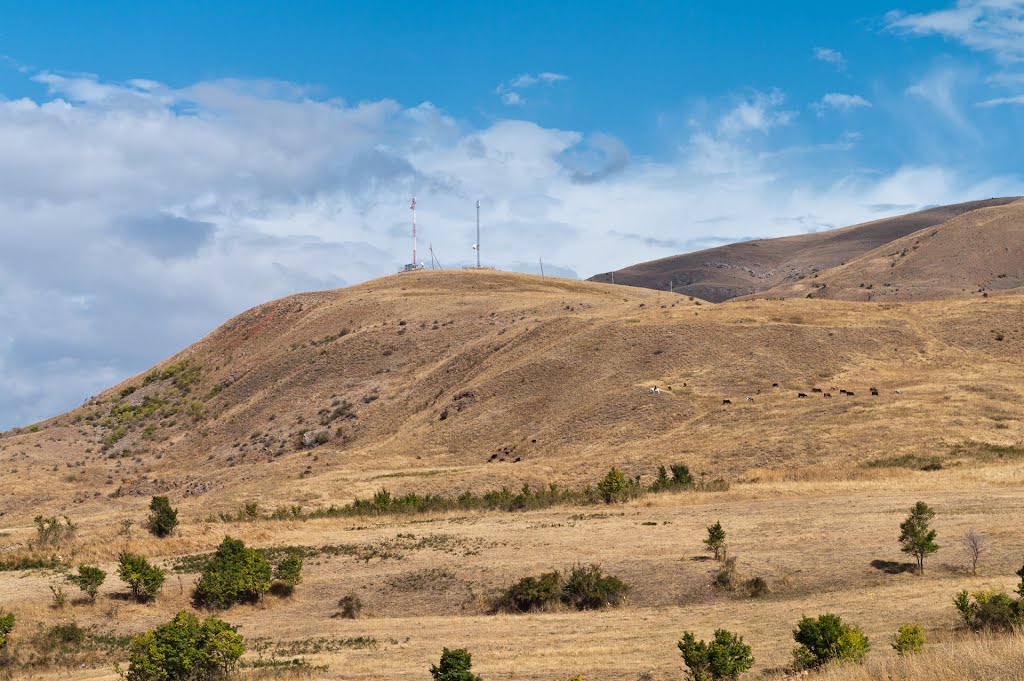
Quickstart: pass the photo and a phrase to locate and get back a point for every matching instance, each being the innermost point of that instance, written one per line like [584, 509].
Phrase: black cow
[801, 394]
[726, 401]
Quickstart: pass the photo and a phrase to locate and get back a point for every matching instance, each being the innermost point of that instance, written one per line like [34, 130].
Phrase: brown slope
[551, 371]
[748, 267]
[971, 255]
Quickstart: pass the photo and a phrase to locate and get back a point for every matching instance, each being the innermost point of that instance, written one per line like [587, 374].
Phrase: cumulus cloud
[840, 102]
[830, 56]
[993, 26]
[137, 216]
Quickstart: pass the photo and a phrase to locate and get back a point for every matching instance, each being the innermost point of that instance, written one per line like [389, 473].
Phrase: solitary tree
[186, 649]
[162, 518]
[723, 659]
[455, 665]
[974, 544]
[716, 540]
[612, 486]
[89, 579]
[234, 574]
[916, 536]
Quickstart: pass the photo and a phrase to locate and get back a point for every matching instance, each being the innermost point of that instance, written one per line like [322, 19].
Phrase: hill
[444, 381]
[750, 267]
[974, 254]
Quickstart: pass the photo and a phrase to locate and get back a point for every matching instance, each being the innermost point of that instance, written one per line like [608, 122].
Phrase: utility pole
[541, 267]
[478, 234]
[413, 209]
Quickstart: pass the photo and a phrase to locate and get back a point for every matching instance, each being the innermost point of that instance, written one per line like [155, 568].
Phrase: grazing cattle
[874, 391]
[849, 393]
[898, 392]
[827, 395]
[801, 394]
[518, 459]
[726, 401]
[775, 385]
[844, 392]
[749, 398]
[815, 390]
[655, 390]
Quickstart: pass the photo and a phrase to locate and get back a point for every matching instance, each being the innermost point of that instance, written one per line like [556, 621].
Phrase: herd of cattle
[750, 398]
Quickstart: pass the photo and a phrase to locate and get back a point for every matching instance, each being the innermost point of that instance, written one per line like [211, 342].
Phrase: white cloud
[1018, 99]
[941, 88]
[994, 26]
[137, 217]
[840, 102]
[830, 56]
[757, 112]
[511, 92]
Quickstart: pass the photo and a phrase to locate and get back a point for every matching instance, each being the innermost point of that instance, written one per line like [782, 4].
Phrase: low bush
[234, 574]
[613, 486]
[724, 658]
[288, 574]
[909, 639]
[587, 588]
[143, 578]
[455, 665]
[826, 639]
[350, 607]
[185, 649]
[89, 579]
[989, 611]
[532, 593]
[7, 622]
[50, 531]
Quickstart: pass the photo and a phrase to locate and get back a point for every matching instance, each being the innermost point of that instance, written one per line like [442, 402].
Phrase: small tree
[143, 578]
[455, 665]
[6, 627]
[162, 518]
[681, 475]
[588, 588]
[288, 574]
[716, 540]
[186, 649]
[233, 574]
[825, 639]
[724, 658]
[89, 579]
[974, 544]
[613, 486]
[909, 639]
[916, 536]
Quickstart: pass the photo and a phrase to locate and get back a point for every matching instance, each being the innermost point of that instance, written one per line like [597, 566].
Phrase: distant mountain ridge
[754, 267]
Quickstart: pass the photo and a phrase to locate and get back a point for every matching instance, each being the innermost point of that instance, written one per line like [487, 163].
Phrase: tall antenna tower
[478, 234]
[413, 209]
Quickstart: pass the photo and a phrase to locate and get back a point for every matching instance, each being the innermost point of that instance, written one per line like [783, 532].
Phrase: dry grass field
[444, 382]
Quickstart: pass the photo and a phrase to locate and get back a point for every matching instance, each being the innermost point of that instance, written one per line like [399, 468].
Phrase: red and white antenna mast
[413, 209]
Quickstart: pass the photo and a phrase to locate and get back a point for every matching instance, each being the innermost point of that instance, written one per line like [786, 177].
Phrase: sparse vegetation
[51, 532]
[723, 659]
[715, 541]
[989, 610]
[350, 606]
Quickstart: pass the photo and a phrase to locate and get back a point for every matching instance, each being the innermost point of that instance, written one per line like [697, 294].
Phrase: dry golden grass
[804, 510]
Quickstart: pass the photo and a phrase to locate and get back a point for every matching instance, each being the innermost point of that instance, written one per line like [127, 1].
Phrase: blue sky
[164, 166]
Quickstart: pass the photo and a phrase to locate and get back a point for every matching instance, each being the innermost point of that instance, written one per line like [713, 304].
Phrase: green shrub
[233, 574]
[351, 606]
[716, 540]
[7, 622]
[50, 531]
[909, 639]
[532, 593]
[613, 486]
[89, 579]
[825, 639]
[288, 574]
[59, 596]
[725, 657]
[455, 665]
[989, 611]
[587, 588]
[681, 475]
[185, 649]
[162, 518]
[143, 578]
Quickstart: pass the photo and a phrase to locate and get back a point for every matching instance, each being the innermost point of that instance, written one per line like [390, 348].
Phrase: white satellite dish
[476, 247]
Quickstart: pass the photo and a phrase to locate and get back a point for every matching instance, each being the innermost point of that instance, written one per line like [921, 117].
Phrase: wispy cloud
[830, 56]
[940, 88]
[511, 92]
[1017, 99]
[994, 26]
[757, 112]
[840, 102]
